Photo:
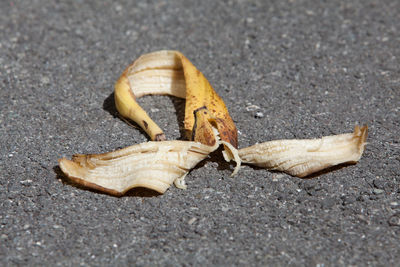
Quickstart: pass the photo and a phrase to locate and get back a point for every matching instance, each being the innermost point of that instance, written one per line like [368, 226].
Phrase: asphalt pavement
[285, 69]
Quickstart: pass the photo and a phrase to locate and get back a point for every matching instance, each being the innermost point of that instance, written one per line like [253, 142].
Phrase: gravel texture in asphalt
[285, 69]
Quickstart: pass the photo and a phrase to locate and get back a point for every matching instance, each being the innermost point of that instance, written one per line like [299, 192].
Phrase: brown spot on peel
[146, 125]
[160, 137]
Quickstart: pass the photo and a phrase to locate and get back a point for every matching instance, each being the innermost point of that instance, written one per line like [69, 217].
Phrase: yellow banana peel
[156, 165]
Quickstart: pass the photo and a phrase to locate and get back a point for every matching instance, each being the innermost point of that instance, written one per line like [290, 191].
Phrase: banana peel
[156, 165]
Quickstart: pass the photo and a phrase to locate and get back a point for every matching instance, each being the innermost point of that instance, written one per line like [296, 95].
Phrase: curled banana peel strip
[156, 165]
[153, 165]
[304, 157]
[170, 73]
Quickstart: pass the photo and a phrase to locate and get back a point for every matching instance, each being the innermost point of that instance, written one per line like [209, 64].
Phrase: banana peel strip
[153, 165]
[156, 165]
[307, 156]
[170, 73]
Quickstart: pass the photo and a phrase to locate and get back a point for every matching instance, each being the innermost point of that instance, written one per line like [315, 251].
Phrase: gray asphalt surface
[312, 68]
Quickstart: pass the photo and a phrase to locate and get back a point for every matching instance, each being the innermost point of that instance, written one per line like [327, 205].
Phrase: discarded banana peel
[156, 165]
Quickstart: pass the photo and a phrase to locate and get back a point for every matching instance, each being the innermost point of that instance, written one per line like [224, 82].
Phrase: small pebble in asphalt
[259, 115]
